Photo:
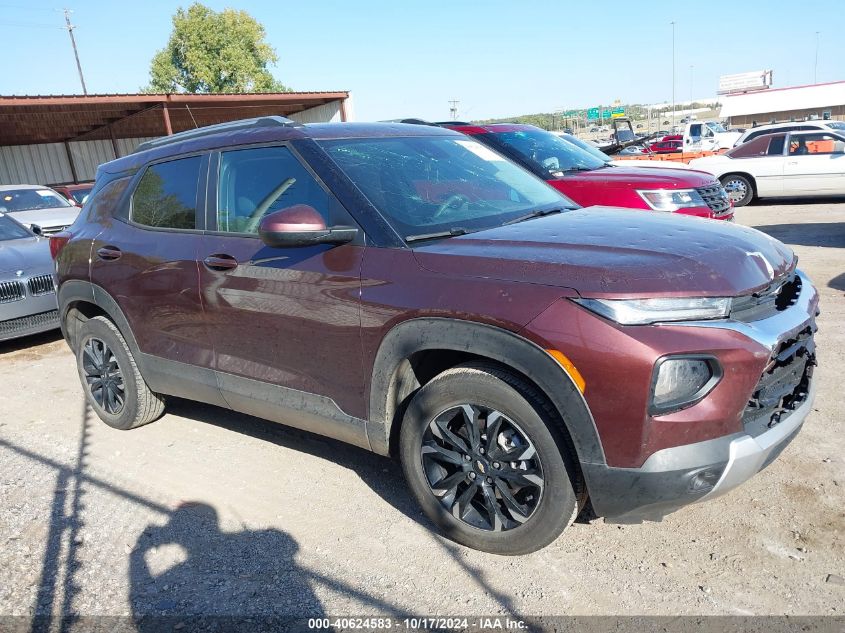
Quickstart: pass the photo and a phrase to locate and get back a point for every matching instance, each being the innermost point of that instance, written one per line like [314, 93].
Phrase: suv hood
[608, 252]
[638, 178]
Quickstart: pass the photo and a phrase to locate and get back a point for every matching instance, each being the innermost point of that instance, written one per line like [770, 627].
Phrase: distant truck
[708, 136]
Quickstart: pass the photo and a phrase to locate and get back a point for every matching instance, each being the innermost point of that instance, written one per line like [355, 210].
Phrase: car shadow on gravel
[26, 342]
[824, 234]
[838, 282]
[383, 475]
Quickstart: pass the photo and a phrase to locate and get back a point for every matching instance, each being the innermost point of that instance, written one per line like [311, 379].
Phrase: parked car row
[421, 292]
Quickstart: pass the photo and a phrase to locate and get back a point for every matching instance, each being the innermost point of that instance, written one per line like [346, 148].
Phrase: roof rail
[231, 126]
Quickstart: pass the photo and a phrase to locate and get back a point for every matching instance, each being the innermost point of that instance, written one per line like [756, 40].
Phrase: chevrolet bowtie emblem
[19, 273]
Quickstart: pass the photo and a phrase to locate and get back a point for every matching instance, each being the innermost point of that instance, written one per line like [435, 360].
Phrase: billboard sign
[745, 82]
[617, 113]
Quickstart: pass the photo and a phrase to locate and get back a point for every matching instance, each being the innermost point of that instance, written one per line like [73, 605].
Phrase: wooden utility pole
[70, 28]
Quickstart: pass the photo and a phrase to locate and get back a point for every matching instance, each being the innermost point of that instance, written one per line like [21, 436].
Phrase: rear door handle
[220, 262]
[109, 253]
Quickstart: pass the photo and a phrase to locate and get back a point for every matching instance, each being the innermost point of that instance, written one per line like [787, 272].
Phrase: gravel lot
[208, 511]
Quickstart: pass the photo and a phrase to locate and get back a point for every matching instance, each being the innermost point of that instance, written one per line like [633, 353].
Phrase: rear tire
[740, 189]
[113, 386]
[510, 487]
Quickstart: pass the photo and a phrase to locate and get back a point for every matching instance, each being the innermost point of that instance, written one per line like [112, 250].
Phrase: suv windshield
[425, 185]
[836, 125]
[11, 230]
[554, 155]
[13, 200]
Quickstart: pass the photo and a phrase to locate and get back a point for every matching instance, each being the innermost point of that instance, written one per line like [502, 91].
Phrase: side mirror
[36, 229]
[301, 225]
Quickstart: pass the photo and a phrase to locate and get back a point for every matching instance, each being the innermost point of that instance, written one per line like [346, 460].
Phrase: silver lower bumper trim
[749, 454]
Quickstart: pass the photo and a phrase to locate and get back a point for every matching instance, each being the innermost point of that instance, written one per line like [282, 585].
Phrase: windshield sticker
[44, 193]
[479, 150]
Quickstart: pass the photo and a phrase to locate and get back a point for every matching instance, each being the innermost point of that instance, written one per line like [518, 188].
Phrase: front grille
[716, 198]
[50, 230]
[42, 321]
[10, 291]
[784, 385]
[776, 297]
[41, 285]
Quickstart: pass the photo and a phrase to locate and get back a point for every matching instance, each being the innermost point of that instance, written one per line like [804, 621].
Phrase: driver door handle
[109, 253]
[220, 262]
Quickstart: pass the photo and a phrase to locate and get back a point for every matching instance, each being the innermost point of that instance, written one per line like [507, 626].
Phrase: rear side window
[166, 196]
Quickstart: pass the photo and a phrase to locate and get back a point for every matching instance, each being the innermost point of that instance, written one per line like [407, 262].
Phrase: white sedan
[781, 165]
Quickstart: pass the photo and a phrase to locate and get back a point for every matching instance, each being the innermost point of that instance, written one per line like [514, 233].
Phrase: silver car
[34, 205]
[27, 292]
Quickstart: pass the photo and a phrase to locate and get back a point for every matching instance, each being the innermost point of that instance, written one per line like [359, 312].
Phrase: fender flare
[75, 290]
[497, 344]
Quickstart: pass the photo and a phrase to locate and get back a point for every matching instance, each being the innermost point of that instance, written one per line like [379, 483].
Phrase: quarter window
[166, 196]
[258, 181]
[103, 203]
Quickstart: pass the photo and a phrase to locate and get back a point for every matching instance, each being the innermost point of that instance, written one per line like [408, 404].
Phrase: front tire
[739, 188]
[485, 458]
[114, 388]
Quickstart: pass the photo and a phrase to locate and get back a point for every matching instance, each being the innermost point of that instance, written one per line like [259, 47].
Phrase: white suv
[792, 126]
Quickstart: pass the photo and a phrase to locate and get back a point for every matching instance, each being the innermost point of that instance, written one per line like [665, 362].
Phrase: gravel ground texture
[207, 511]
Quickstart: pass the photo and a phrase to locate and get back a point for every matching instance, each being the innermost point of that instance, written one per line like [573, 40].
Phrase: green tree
[211, 52]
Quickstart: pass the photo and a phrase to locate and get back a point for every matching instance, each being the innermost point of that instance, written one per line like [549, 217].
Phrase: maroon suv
[408, 290]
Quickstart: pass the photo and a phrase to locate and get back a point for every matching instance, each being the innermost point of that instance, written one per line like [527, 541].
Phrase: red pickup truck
[590, 181]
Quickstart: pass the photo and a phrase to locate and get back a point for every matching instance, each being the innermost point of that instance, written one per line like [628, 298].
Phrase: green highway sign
[593, 113]
[605, 114]
[617, 112]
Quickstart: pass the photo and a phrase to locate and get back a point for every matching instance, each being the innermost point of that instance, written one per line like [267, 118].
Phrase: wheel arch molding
[76, 291]
[394, 381]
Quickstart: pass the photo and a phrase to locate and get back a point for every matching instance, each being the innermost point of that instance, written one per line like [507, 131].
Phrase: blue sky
[408, 57]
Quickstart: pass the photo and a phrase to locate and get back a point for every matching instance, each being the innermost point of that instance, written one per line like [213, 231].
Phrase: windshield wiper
[455, 230]
[539, 213]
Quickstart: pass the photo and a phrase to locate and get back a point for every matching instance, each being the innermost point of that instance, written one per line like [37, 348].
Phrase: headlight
[645, 311]
[681, 381]
[672, 199]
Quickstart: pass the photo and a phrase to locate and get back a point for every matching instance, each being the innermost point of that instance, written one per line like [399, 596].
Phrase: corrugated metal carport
[62, 138]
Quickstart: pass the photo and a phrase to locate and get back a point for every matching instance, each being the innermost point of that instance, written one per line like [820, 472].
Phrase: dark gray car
[27, 292]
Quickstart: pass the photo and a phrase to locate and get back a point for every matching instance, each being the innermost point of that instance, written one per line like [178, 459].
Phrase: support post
[113, 142]
[72, 165]
[166, 113]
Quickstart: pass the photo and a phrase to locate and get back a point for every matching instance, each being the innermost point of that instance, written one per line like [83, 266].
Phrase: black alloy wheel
[103, 376]
[482, 467]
